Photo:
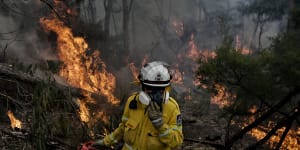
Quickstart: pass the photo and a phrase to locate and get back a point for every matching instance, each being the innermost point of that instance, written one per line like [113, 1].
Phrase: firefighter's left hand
[155, 115]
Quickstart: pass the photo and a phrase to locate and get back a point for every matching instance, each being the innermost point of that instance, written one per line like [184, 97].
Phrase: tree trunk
[108, 11]
[293, 19]
[126, 13]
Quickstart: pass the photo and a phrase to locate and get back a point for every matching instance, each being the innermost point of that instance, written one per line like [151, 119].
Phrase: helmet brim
[157, 85]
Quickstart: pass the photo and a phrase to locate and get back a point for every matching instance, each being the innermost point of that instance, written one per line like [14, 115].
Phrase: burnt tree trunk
[126, 39]
[108, 12]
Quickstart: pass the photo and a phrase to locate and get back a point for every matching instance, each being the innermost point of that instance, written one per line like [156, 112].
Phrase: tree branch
[287, 122]
[52, 8]
[281, 103]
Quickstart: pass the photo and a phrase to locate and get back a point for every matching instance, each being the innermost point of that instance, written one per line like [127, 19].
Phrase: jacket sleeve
[171, 132]
[118, 133]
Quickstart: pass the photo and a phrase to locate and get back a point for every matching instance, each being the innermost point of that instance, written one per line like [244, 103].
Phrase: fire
[208, 54]
[222, 97]
[245, 51]
[134, 70]
[253, 109]
[188, 96]
[177, 75]
[83, 111]
[79, 69]
[197, 83]
[240, 48]
[193, 52]
[14, 123]
[290, 141]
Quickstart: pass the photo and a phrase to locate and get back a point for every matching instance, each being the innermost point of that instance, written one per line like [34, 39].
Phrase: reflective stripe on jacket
[138, 133]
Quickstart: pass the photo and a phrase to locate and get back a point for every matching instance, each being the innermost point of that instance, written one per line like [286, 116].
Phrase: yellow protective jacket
[138, 133]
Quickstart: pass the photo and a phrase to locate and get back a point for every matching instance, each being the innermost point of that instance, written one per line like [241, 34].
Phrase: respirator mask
[156, 94]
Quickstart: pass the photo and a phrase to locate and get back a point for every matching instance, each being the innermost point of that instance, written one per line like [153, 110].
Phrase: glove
[155, 115]
[98, 143]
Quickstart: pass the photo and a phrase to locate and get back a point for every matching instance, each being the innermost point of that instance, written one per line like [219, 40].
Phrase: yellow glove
[155, 115]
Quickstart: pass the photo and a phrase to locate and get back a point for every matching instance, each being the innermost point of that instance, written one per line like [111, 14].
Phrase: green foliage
[286, 49]
[262, 77]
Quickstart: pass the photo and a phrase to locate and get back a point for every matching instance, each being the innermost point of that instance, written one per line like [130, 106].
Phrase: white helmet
[155, 74]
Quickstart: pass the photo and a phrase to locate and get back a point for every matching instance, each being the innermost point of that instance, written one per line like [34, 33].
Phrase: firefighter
[151, 119]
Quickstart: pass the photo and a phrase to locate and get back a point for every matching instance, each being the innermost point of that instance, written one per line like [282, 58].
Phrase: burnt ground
[204, 124]
[202, 127]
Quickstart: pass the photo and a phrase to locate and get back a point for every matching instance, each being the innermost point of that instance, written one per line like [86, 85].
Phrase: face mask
[145, 99]
[157, 96]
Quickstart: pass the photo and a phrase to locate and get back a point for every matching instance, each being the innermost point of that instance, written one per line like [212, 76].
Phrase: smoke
[19, 32]
[154, 30]
[151, 28]
[159, 30]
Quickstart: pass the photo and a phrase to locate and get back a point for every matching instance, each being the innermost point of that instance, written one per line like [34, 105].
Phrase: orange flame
[79, 69]
[177, 75]
[193, 52]
[253, 109]
[14, 123]
[134, 70]
[222, 97]
[197, 83]
[290, 142]
[222, 100]
[83, 111]
[240, 48]
[188, 96]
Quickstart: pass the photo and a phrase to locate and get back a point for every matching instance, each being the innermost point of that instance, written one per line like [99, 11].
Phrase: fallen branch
[215, 145]
[14, 134]
[60, 141]
[8, 72]
[13, 100]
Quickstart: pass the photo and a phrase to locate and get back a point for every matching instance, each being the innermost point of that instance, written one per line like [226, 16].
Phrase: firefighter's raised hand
[155, 115]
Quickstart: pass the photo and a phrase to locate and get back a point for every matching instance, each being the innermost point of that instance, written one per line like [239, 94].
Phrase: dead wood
[215, 145]
[9, 73]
